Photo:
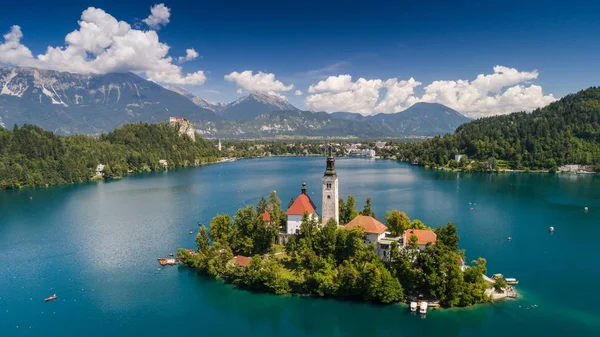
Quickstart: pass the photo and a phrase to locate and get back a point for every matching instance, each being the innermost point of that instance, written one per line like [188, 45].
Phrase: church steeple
[330, 206]
[330, 170]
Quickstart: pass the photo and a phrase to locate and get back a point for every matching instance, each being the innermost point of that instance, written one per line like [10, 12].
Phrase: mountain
[436, 120]
[68, 103]
[422, 119]
[249, 107]
[562, 133]
[215, 107]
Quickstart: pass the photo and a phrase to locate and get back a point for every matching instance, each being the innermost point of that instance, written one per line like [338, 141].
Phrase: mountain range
[68, 103]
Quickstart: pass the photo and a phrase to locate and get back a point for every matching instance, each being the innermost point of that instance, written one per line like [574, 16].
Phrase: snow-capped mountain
[87, 103]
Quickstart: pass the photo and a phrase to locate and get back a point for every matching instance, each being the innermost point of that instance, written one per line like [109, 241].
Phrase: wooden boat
[511, 281]
[51, 298]
[413, 306]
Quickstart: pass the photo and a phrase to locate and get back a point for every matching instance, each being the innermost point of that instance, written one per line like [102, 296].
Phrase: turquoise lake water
[95, 245]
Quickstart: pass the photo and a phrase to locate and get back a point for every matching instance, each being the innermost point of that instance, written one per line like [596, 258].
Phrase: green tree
[202, 240]
[367, 210]
[448, 235]
[261, 207]
[221, 229]
[397, 222]
[351, 212]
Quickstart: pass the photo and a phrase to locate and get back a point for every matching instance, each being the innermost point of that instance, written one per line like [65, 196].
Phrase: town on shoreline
[342, 253]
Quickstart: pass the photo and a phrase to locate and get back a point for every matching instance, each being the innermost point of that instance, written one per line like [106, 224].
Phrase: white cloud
[190, 54]
[506, 90]
[12, 51]
[260, 81]
[484, 96]
[298, 93]
[159, 16]
[340, 93]
[102, 44]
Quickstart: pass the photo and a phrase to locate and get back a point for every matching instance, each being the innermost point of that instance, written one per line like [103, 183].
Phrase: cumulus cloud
[506, 90]
[102, 44]
[340, 93]
[260, 81]
[190, 54]
[298, 93]
[159, 16]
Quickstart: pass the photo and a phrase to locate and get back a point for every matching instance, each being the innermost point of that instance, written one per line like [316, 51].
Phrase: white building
[375, 233]
[301, 205]
[330, 204]
[100, 170]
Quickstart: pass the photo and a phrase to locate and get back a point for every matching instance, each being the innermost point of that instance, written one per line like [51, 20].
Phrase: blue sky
[306, 42]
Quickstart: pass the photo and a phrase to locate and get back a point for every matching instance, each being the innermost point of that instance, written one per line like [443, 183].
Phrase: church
[330, 205]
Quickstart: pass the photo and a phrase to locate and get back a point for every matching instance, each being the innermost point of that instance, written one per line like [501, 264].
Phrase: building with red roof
[374, 230]
[242, 261]
[301, 205]
[424, 236]
[266, 217]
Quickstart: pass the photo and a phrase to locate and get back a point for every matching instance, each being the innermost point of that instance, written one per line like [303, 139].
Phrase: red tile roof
[242, 260]
[266, 217]
[301, 205]
[369, 224]
[423, 235]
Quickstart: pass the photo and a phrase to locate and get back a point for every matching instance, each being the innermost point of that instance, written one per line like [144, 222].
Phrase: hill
[68, 103]
[564, 132]
[31, 156]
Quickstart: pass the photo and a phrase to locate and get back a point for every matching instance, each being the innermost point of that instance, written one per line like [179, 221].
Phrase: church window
[328, 186]
[328, 197]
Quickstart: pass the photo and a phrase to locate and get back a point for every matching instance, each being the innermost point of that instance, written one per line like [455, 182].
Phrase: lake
[95, 245]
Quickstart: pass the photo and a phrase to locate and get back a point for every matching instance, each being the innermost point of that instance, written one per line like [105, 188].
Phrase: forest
[328, 261]
[33, 157]
[564, 132]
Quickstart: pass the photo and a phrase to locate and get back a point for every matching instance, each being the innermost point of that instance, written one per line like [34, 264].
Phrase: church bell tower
[331, 203]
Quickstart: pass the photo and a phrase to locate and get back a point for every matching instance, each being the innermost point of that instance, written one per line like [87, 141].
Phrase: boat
[551, 229]
[171, 254]
[509, 238]
[413, 306]
[423, 308]
[51, 298]
[586, 209]
[497, 276]
[166, 262]
[511, 281]
[191, 232]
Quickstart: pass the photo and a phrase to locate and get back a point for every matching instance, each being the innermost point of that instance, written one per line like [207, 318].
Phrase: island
[343, 253]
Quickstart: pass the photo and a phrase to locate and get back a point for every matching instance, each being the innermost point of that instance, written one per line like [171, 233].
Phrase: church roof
[368, 223]
[301, 205]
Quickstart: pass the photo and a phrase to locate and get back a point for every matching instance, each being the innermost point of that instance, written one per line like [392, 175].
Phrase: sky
[478, 57]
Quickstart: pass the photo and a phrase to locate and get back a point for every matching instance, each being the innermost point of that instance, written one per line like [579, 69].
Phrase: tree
[342, 212]
[397, 222]
[448, 236]
[367, 210]
[221, 229]
[202, 240]
[499, 285]
[261, 207]
[417, 224]
[290, 203]
[351, 212]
